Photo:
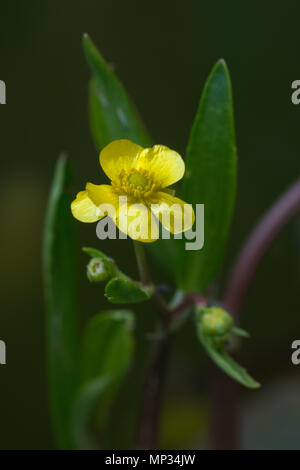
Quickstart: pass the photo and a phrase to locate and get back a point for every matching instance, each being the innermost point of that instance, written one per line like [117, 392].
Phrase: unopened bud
[216, 322]
[97, 271]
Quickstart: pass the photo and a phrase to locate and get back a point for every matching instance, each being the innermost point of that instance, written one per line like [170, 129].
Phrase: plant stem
[226, 392]
[193, 298]
[257, 245]
[142, 263]
[148, 424]
[153, 390]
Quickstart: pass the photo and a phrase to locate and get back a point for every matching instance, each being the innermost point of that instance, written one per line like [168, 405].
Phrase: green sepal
[240, 332]
[108, 263]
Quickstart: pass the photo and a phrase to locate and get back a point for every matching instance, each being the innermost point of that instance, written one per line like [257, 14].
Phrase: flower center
[136, 183]
[138, 180]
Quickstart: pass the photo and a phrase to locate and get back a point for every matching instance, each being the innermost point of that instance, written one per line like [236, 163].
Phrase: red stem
[226, 392]
[148, 428]
[257, 245]
[193, 298]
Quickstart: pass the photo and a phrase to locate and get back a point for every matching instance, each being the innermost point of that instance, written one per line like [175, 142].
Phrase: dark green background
[163, 52]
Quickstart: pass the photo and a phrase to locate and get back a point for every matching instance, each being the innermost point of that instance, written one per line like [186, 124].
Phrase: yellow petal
[84, 209]
[175, 215]
[102, 194]
[137, 222]
[119, 155]
[164, 165]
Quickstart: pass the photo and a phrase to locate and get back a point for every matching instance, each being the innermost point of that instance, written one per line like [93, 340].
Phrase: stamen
[135, 183]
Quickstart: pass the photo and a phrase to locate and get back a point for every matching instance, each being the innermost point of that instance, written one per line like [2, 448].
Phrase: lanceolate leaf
[107, 344]
[61, 302]
[84, 405]
[210, 178]
[112, 114]
[107, 349]
[220, 357]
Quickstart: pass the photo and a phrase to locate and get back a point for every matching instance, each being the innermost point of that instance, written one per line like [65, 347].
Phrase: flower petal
[175, 215]
[119, 155]
[84, 209]
[164, 165]
[102, 194]
[137, 222]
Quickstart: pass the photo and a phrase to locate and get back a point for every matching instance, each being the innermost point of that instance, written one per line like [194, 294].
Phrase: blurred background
[162, 52]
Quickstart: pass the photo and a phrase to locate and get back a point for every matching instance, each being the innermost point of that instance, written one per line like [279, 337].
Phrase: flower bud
[216, 322]
[97, 271]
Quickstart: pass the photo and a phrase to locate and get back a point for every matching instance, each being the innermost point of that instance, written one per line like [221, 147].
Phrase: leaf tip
[221, 65]
[86, 38]
[253, 385]
[88, 45]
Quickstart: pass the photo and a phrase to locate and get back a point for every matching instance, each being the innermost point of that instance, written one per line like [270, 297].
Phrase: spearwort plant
[86, 369]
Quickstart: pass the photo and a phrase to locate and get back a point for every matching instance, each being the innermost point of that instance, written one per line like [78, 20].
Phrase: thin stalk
[258, 243]
[148, 425]
[149, 419]
[142, 263]
[154, 385]
[193, 298]
[225, 391]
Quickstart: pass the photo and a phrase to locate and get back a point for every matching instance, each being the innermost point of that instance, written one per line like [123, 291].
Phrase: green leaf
[123, 290]
[84, 404]
[112, 114]
[107, 349]
[220, 357]
[210, 178]
[59, 269]
[107, 344]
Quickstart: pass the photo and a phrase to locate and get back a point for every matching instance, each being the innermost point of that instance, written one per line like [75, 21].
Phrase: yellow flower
[138, 192]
